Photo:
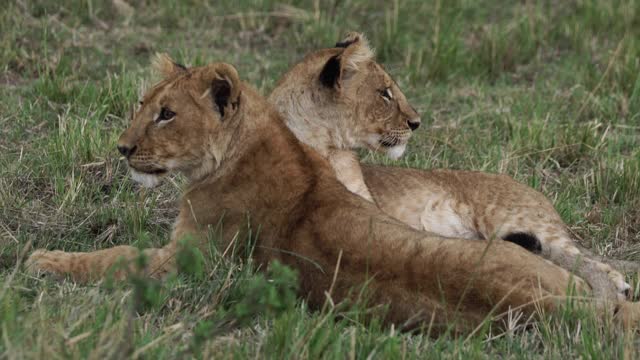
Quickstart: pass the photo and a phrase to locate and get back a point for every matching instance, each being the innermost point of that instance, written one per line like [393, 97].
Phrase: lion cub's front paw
[43, 263]
[624, 289]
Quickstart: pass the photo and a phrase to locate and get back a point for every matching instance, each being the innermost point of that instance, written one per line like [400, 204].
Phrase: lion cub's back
[476, 198]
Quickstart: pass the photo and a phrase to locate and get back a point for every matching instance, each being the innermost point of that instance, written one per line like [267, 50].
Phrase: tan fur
[460, 204]
[246, 164]
[352, 114]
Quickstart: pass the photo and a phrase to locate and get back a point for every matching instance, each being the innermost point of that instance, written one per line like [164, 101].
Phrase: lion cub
[341, 99]
[244, 164]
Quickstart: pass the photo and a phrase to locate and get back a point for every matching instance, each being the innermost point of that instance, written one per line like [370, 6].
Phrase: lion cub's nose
[413, 123]
[126, 150]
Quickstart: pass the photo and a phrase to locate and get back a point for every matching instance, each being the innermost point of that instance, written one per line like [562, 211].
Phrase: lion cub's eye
[386, 94]
[165, 114]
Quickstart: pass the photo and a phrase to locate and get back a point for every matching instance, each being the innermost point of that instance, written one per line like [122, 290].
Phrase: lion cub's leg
[546, 235]
[346, 165]
[92, 266]
[607, 283]
[554, 243]
[475, 276]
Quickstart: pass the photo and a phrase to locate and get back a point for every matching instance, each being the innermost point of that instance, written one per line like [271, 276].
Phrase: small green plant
[148, 293]
[258, 296]
[190, 260]
[269, 294]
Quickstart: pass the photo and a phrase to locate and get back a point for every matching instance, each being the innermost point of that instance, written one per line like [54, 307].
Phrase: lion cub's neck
[327, 128]
[319, 125]
[256, 147]
[266, 173]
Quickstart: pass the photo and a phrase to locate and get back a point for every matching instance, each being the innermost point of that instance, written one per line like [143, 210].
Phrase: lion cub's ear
[165, 66]
[350, 38]
[341, 67]
[222, 83]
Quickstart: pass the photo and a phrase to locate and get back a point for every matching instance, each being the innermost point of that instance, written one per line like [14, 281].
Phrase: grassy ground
[548, 92]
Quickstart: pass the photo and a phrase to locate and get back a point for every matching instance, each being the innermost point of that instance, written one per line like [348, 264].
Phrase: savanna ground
[548, 92]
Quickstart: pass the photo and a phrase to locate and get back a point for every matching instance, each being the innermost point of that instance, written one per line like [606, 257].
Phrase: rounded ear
[341, 67]
[165, 66]
[223, 84]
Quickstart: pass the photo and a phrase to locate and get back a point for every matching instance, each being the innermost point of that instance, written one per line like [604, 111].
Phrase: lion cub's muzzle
[395, 137]
[140, 161]
[143, 169]
[394, 141]
[400, 136]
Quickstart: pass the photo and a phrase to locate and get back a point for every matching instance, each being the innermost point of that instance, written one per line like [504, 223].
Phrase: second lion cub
[340, 99]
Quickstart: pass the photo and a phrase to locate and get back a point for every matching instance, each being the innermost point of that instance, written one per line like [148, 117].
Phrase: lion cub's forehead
[166, 89]
[156, 90]
[379, 75]
[389, 81]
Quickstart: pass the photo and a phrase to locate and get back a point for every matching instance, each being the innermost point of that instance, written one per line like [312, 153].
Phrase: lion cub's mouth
[154, 172]
[146, 168]
[389, 142]
[148, 178]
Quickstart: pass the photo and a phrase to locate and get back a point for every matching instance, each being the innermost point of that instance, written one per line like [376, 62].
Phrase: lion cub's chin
[146, 180]
[395, 152]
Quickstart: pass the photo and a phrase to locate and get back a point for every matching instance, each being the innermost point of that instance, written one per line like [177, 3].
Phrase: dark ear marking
[331, 72]
[220, 93]
[346, 43]
[350, 38]
[182, 67]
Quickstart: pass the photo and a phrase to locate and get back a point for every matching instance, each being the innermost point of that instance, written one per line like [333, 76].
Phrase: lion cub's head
[182, 122]
[342, 98]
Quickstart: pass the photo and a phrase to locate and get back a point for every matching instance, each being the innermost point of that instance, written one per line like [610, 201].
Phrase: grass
[548, 92]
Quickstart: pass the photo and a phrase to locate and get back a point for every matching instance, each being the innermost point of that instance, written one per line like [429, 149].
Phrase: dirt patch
[9, 78]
